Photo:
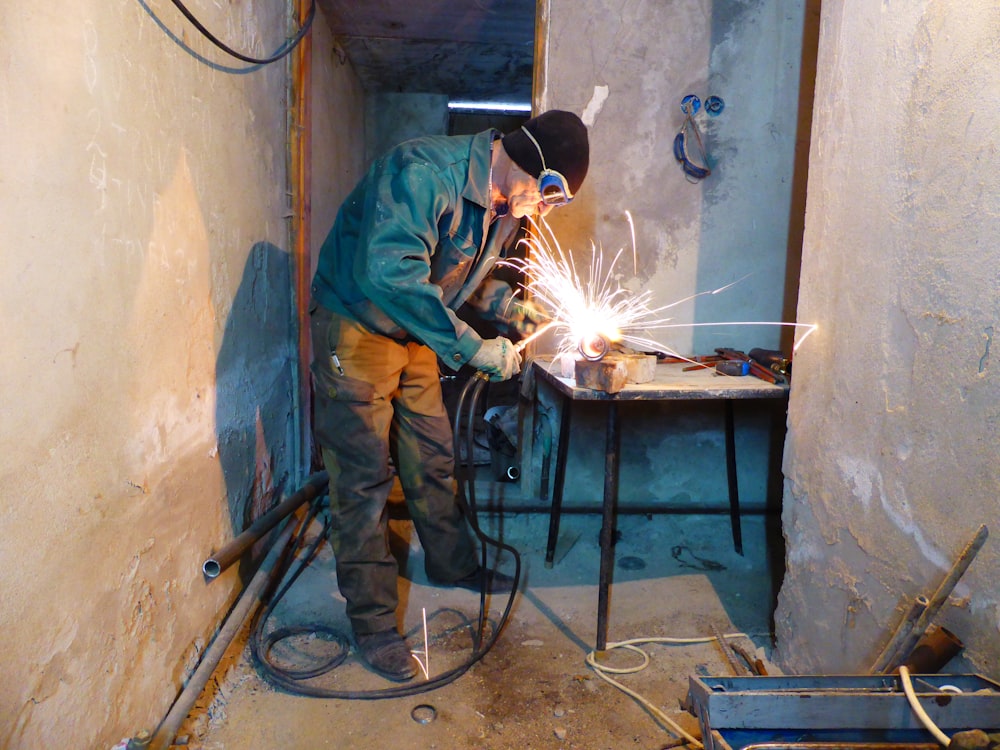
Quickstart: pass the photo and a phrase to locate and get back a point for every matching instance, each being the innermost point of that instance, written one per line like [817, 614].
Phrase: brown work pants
[385, 410]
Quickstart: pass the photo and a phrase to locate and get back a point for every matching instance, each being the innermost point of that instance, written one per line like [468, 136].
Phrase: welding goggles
[552, 186]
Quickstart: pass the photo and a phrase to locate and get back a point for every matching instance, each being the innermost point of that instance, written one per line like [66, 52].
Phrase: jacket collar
[477, 187]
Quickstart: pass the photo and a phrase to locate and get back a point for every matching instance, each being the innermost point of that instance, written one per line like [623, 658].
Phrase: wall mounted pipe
[300, 137]
[314, 487]
[245, 605]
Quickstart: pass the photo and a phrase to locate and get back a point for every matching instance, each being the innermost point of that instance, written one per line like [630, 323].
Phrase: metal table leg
[734, 490]
[560, 480]
[611, 441]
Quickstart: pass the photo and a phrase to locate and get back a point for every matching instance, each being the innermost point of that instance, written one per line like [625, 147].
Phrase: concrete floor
[675, 576]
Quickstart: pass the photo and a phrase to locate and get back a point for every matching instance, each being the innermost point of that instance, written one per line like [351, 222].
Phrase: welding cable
[261, 644]
[287, 46]
[911, 697]
[603, 671]
[467, 499]
[292, 680]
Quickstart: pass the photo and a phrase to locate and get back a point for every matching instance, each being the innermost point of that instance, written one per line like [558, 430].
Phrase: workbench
[670, 383]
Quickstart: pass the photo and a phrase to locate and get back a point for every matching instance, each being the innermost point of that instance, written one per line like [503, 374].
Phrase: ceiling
[475, 50]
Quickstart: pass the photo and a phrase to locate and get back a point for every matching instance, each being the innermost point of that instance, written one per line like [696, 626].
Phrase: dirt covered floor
[676, 576]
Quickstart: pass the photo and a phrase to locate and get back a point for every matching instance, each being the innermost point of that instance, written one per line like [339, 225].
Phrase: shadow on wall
[255, 384]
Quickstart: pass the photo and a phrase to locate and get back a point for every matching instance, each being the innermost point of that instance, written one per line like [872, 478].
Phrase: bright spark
[582, 309]
[425, 663]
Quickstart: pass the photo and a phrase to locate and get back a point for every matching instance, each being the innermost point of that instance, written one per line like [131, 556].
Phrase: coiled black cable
[292, 680]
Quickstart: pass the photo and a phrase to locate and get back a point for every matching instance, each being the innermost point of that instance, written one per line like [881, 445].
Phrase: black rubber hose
[470, 504]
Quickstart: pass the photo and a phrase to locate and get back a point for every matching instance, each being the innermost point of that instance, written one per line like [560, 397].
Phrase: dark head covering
[562, 137]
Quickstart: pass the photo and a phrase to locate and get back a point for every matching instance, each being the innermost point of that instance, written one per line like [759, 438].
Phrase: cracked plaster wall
[892, 457]
[148, 373]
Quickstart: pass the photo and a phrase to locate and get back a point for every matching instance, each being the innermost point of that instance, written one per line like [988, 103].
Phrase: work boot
[387, 654]
[496, 582]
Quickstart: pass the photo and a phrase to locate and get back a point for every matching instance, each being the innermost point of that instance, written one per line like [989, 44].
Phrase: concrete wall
[892, 457]
[625, 67]
[338, 133]
[393, 118]
[147, 384]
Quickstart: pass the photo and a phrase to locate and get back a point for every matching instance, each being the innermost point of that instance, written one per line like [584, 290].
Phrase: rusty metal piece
[734, 665]
[938, 647]
[755, 665]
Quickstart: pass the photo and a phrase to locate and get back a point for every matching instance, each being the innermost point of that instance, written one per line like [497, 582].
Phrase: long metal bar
[727, 652]
[300, 182]
[562, 451]
[611, 444]
[732, 479]
[245, 605]
[230, 553]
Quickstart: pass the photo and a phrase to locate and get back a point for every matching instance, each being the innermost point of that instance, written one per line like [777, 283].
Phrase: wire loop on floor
[603, 671]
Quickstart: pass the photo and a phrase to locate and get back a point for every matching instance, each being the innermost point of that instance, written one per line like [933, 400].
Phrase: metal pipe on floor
[230, 553]
[245, 605]
[611, 445]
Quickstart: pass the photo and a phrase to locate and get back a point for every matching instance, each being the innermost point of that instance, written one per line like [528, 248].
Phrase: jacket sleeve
[398, 236]
[492, 301]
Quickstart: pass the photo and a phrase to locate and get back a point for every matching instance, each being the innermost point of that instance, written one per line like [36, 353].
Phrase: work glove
[524, 317]
[498, 359]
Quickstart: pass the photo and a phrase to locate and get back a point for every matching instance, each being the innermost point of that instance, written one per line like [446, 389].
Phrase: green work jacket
[413, 241]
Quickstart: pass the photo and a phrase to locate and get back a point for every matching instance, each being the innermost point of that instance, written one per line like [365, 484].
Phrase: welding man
[415, 240]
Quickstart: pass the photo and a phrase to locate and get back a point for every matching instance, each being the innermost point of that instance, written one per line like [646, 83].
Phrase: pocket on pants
[339, 387]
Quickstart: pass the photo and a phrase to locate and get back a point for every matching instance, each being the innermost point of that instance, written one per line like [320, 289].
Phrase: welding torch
[519, 346]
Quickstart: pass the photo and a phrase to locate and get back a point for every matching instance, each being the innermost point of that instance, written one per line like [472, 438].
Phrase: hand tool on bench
[705, 362]
[773, 359]
[734, 367]
[756, 368]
